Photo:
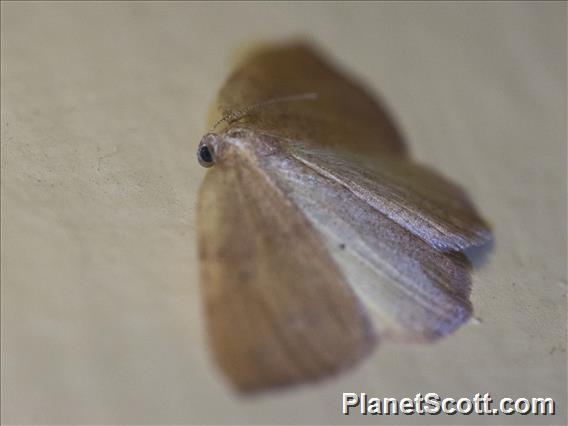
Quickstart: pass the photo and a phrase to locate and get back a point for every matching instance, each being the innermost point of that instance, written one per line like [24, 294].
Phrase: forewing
[278, 309]
[343, 115]
[413, 291]
[415, 197]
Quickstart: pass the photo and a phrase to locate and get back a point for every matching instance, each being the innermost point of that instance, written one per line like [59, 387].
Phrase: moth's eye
[205, 156]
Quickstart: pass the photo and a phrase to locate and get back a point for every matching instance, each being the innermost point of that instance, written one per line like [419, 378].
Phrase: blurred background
[102, 108]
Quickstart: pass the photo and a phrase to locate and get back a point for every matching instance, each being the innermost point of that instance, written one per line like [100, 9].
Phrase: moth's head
[209, 148]
[214, 147]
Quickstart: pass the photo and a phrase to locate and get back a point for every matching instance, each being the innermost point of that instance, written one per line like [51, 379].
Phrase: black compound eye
[205, 156]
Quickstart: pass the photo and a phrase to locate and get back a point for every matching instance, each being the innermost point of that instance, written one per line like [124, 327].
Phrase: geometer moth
[318, 235]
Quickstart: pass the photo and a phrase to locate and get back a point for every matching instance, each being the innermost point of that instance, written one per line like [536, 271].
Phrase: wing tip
[252, 388]
[459, 242]
[254, 384]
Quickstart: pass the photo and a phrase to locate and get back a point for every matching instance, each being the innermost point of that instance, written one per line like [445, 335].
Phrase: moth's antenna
[235, 115]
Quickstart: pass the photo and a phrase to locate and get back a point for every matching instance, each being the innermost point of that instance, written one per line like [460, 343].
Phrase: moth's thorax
[215, 148]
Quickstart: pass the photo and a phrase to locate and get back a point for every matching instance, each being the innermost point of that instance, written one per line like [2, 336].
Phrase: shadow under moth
[318, 235]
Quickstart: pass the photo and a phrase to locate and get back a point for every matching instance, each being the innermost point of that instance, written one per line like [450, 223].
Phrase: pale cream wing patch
[415, 197]
[413, 291]
[278, 308]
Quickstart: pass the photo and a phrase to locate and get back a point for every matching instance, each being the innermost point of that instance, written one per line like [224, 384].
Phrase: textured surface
[102, 109]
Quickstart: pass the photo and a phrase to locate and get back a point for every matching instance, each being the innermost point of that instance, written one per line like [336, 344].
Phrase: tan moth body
[318, 236]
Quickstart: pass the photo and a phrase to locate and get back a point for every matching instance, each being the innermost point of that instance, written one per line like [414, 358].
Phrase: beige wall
[102, 108]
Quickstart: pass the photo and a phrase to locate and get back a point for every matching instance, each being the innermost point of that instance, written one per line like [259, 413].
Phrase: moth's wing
[278, 308]
[415, 197]
[343, 115]
[411, 290]
[346, 119]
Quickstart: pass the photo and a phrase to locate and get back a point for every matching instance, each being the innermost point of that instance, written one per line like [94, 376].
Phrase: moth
[318, 235]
